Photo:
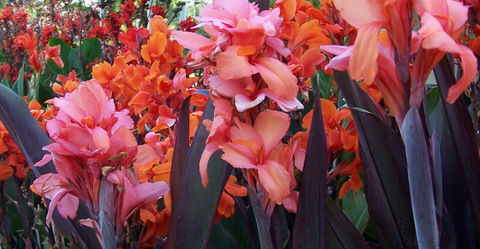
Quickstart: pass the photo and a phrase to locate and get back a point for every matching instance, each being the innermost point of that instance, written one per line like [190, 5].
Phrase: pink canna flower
[441, 22]
[244, 43]
[252, 148]
[369, 16]
[58, 189]
[386, 79]
[132, 195]
[88, 126]
[91, 139]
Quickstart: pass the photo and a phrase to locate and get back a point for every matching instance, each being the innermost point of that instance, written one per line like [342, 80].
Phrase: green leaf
[190, 227]
[74, 61]
[433, 98]
[64, 55]
[309, 227]
[354, 205]
[385, 169]
[420, 180]
[91, 49]
[30, 139]
[5, 82]
[324, 83]
[464, 142]
[19, 85]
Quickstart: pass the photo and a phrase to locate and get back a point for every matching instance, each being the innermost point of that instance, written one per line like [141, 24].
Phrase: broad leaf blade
[91, 49]
[385, 169]
[309, 227]
[343, 234]
[195, 205]
[30, 139]
[354, 206]
[420, 180]
[463, 138]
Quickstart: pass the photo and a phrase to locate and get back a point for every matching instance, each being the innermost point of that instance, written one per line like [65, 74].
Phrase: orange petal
[365, 52]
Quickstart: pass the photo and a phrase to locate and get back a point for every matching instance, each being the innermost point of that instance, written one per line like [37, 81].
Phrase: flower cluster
[93, 141]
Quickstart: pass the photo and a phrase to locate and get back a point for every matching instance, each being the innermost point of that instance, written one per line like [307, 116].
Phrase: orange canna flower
[5, 172]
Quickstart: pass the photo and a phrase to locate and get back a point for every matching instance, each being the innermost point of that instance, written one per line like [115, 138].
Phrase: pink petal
[244, 103]
[232, 66]
[341, 60]
[122, 120]
[100, 138]
[275, 179]
[149, 192]
[458, 13]
[361, 12]
[287, 105]
[271, 126]
[203, 165]
[239, 156]
[230, 88]
[469, 66]
[145, 154]
[67, 206]
[434, 36]
[45, 159]
[191, 40]
[278, 77]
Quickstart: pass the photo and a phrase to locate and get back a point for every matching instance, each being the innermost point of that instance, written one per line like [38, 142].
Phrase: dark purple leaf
[385, 169]
[464, 145]
[195, 206]
[342, 234]
[309, 227]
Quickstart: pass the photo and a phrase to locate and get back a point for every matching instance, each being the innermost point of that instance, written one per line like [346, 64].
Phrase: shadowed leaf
[464, 143]
[309, 227]
[385, 169]
[195, 206]
[341, 232]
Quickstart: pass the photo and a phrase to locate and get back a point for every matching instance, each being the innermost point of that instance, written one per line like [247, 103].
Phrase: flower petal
[275, 179]
[271, 126]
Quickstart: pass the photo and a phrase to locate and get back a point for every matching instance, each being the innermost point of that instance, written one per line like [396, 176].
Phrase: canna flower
[252, 148]
[58, 189]
[441, 23]
[244, 43]
[5, 172]
[132, 195]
